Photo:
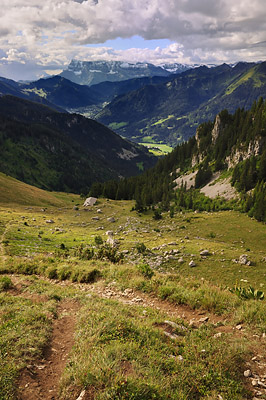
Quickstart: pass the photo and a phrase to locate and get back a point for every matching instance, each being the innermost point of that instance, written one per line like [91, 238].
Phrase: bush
[109, 253]
[146, 270]
[5, 283]
[141, 248]
[98, 240]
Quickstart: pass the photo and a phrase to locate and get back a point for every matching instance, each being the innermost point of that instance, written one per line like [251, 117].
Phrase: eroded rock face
[237, 155]
[216, 129]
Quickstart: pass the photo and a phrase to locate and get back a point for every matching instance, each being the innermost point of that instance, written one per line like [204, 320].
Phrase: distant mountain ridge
[171, 111]
[94, 72]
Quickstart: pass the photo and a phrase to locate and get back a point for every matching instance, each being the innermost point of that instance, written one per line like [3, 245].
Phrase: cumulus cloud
[54, 31]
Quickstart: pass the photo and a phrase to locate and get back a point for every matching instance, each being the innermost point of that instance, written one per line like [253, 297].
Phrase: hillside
[62, 92]
[10, 87]
[65, 152]
[232, 146]
[14, 192]
[170, 112]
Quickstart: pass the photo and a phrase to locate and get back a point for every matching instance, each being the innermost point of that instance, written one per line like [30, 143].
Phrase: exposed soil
[41, 380]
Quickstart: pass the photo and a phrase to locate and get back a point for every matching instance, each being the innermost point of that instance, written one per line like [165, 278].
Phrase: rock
[204, 319]
[137, 300]
[243, 259]
[95, 219]
[49, 221]
[218, 335]
[239, 327]
[205, 253]
[254, 382]
[180, 358]
[192, 264]
[82, 395]
[111, 219]
[180, 260]
[99, 211]
[247, 373]
[90, 201]
[75, 208]
[171, 335]
[175, 326]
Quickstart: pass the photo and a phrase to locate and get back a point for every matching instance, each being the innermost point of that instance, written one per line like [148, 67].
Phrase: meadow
[170, 313]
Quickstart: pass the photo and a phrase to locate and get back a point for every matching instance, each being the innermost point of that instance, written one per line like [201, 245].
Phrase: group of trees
[155, 186]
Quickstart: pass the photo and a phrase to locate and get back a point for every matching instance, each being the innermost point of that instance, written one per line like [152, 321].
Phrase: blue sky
[38, 38]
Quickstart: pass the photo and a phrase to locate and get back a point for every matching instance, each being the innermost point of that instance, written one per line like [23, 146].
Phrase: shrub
[247, 293]
[146, 270]
[109, 253]
[141, 248]
[5, 283]
[98, 240]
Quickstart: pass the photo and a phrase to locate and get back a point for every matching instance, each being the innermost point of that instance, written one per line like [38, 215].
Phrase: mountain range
[93, 72]
[151, 109]
[171, 111]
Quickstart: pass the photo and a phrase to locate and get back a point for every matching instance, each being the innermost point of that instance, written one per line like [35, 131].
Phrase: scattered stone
[95, 219]
[75, 208]
[180, 358]
[49, 221]
[111, 219]
[180, 260]
[192, 264]
[99, 211]
[205, 253]
[204, 319]
[247, 373]
[137, 300]
[254, 382]
[218, 335]
[172, 244]
[239, 327]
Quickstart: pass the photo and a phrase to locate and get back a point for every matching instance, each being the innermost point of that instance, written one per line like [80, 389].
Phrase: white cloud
[54, 31]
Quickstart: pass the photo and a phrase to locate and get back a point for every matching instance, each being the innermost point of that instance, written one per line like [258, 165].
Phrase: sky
[41, 37]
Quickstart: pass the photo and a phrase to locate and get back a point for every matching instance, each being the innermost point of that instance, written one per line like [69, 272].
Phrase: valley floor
[175, 312]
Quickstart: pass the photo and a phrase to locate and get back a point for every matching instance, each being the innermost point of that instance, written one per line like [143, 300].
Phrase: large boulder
[90, 201]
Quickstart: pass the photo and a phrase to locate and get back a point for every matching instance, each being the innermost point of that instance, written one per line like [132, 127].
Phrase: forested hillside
[232, 144]
[60, 151]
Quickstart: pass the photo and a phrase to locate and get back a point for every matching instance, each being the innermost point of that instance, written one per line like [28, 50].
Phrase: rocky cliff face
[242, 153]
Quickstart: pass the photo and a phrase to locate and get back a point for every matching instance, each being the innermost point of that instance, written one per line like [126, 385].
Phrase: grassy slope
[19, 193]
[116, 363]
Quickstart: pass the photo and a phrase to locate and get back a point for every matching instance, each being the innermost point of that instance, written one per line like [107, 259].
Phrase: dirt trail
[41, 380]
